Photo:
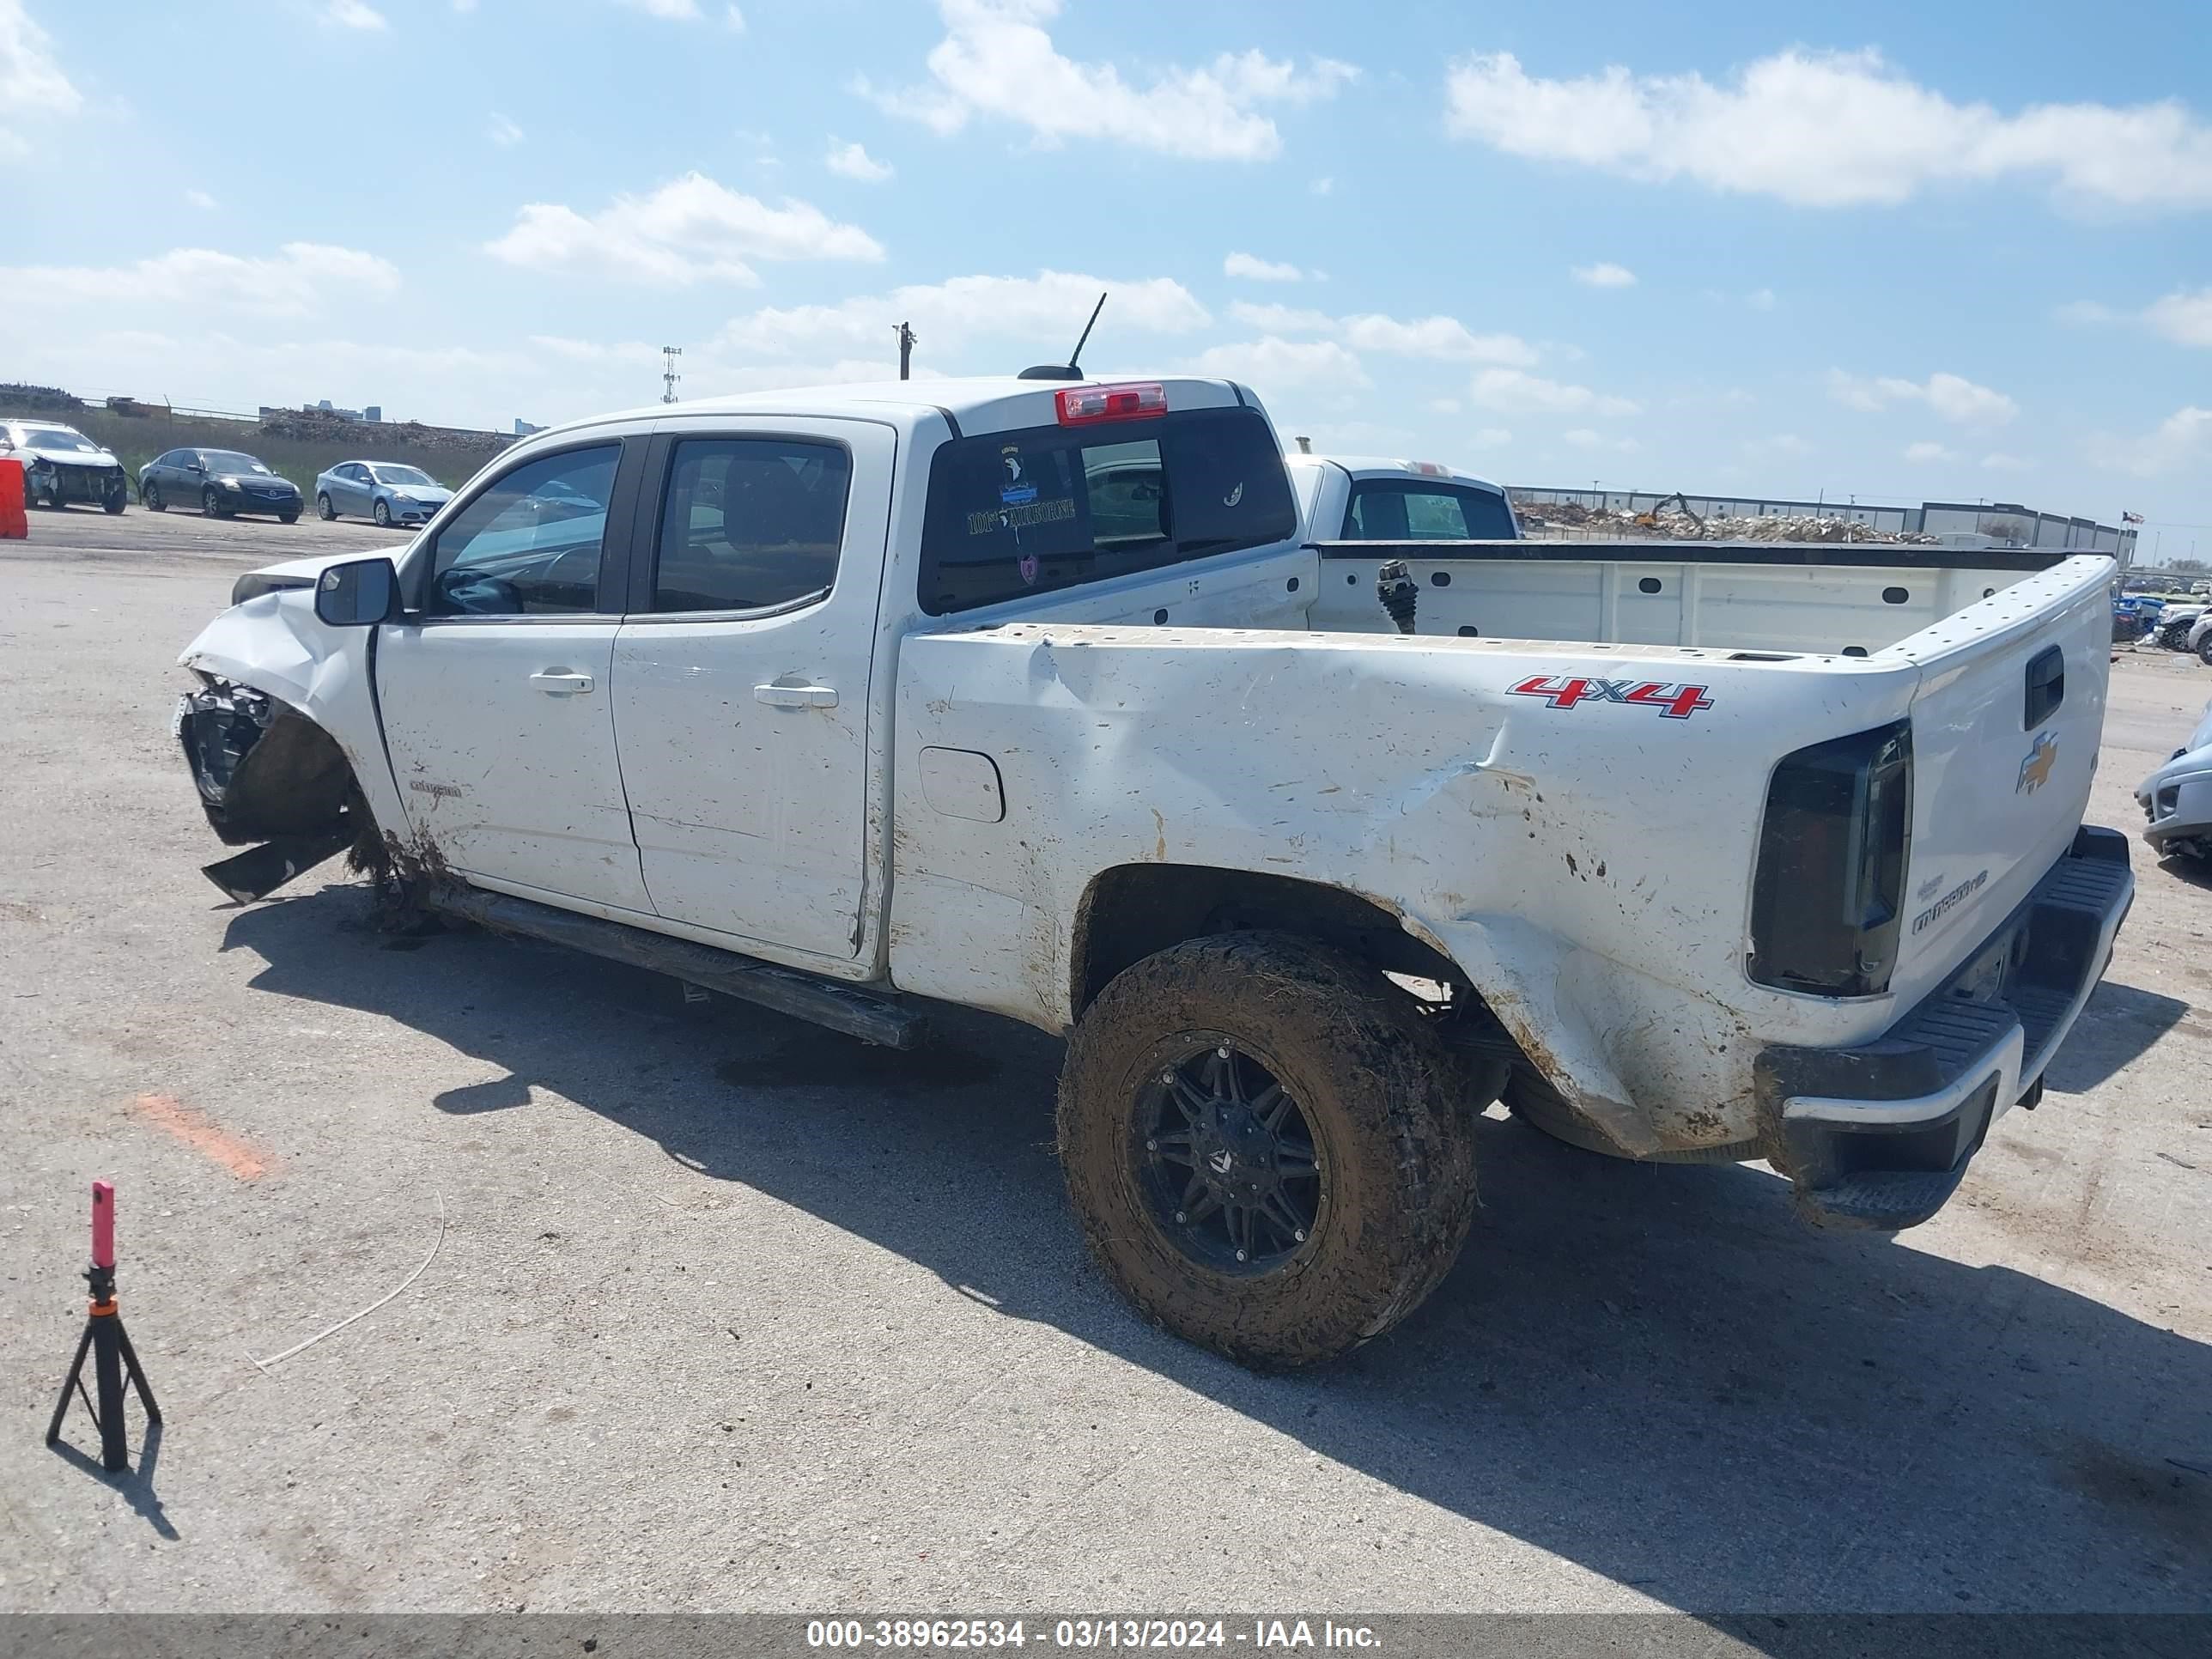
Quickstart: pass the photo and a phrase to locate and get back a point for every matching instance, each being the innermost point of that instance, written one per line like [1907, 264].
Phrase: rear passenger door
[743, 672]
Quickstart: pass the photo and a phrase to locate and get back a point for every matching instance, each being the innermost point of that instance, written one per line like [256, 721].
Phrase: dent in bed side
[1590, 879]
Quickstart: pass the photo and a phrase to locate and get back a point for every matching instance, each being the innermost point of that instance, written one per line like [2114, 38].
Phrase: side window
[530, 543]
[750, 523]
[1392, 513]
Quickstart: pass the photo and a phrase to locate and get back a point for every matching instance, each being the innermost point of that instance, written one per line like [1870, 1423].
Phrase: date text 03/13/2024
[937, 1634]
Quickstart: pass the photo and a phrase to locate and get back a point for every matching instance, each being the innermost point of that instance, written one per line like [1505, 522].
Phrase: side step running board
[875, 1016]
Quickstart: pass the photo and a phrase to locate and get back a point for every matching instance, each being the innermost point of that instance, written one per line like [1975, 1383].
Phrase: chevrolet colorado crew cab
[1315, 831]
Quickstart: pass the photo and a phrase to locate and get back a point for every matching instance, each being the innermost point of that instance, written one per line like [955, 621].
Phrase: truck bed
[1845, 599]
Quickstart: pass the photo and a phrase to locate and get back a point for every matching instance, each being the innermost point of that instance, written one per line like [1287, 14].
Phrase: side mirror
[360, 594]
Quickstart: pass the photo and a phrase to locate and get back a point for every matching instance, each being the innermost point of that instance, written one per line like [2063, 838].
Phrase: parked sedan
[222, 482]
[382, 490]
[61, 465]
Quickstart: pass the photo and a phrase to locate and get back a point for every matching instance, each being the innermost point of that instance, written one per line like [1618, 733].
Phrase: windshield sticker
[1016, 491]
[1234, 496]
[1027, 567]
[1018, 519]
[1674, 703]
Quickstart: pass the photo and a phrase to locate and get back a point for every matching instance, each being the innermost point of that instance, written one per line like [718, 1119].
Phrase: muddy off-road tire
[1265, 1076]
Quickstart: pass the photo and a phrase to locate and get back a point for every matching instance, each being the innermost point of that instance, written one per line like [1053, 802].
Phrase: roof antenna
[1068, 370]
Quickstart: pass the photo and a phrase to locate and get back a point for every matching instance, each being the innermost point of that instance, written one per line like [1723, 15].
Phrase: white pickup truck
[1033, 697]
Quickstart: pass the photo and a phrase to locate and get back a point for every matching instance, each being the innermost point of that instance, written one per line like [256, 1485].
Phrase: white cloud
[298, 280]
[1513, 391]
[1604, 275]
[690, 229]
[353, 14]
[1491, 437]
[1049, 307]
[2183, 316]
[1923, 452]
[199, 198]
[1956, 399]
[1323, 185]
[31, 81]
[853, 161]
[1254, 269]
[1998, 461]
[2183, 319]
[1827, 130]
[1271, 362]
[1444, 338]
[676, 11]
[2183, 440]
[733, 20]
[1761, 299]
[1445, 405]
[996, 60]
[502, 131]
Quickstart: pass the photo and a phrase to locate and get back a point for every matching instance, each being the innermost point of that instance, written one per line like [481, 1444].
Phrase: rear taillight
[1088, 406]
[1828, 899]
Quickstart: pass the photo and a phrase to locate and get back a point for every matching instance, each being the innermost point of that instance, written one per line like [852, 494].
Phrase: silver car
[2176, 798]
[383, 490]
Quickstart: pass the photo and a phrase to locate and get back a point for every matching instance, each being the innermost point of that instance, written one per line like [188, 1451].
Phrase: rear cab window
[1045, 508]
[1416, 510]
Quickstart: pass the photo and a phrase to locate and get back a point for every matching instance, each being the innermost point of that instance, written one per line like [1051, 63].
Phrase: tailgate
[2005, 728]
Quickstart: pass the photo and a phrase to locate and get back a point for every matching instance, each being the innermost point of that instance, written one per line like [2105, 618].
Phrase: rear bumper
[1879, 1135]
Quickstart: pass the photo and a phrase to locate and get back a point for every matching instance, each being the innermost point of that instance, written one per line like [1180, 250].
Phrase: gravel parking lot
[727, 1312]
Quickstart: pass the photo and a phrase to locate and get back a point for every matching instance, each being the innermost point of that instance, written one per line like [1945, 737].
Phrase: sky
[1884, 250]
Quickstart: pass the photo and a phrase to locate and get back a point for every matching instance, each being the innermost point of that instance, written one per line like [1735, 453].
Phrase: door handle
[796, 696]
[558, 682]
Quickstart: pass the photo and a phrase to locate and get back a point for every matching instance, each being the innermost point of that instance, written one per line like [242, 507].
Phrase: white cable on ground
[299, 1348]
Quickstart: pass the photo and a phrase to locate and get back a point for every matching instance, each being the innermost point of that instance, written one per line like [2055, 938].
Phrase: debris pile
[1614, 523]
[17, 398]
[322, 426]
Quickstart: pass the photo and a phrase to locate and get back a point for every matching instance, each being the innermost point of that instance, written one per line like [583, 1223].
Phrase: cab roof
[979, 404]
[1377, 466]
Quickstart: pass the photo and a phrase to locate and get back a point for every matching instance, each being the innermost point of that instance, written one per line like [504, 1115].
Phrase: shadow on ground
[1654, 1371]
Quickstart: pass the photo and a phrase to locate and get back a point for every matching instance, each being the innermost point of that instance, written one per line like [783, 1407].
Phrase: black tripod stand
[106, 1340]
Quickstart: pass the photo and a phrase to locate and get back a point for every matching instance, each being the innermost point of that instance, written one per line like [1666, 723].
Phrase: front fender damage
[271, 779]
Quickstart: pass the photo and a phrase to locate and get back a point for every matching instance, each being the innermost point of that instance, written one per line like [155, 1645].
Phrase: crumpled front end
[269, 779]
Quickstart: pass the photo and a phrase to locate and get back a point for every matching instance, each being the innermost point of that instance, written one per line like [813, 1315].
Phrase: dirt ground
[726, 1312]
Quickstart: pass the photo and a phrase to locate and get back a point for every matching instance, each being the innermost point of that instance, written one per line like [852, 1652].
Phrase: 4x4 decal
[1674, 703]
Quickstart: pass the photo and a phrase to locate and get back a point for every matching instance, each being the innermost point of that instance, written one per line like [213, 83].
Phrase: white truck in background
[1034, 696]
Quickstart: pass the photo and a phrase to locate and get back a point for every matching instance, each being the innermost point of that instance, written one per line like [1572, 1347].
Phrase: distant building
[522, 429]
[373, 412]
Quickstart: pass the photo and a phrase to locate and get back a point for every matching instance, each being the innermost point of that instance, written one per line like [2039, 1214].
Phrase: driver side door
[497, 711]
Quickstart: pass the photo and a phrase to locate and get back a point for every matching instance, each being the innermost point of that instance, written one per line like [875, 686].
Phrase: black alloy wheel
[1226, 1161]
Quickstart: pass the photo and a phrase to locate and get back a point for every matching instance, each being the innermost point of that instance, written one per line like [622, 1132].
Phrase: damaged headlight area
[254, 583]
[271, 779]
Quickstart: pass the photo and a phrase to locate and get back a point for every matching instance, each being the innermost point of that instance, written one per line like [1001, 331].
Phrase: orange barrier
[15, 523]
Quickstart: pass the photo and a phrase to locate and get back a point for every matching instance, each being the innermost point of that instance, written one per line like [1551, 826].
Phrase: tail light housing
[1090, 405]
[1828, 898]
